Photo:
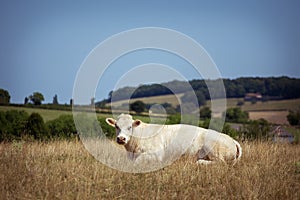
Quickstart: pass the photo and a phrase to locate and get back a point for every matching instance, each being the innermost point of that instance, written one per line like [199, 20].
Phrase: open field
[273, 111]
[291, 104]
[64, 170]
[45, 113]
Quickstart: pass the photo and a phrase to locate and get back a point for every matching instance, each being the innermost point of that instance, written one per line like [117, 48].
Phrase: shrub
[62, 127]
[236, 115]
[174, 119]
[257, 129]
[294, 118]
[4, 97]
[12, 125]
[36, 128]
[107, 130]
[138, 106]
[205, 113]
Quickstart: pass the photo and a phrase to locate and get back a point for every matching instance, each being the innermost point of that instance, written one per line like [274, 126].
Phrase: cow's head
[124, 127]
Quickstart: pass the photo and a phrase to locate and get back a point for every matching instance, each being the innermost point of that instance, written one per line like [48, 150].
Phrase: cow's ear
[136, 123]
[111, 122]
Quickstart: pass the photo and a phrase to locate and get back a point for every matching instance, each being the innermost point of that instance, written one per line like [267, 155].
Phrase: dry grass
[64, 170]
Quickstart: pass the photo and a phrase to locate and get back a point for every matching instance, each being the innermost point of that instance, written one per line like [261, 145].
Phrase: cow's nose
[121, 140]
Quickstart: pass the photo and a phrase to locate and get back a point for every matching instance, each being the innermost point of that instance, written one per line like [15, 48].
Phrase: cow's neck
[133, 146]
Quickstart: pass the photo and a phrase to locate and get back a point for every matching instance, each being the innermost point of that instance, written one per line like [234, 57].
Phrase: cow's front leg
[148, 158]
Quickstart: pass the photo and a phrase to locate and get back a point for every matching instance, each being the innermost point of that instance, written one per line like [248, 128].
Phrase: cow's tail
[238, 151]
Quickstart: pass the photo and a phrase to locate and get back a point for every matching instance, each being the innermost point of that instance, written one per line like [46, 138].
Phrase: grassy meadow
[45, 113]
[65, 170]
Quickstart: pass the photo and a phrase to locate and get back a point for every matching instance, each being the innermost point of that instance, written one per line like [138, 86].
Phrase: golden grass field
[65, 170]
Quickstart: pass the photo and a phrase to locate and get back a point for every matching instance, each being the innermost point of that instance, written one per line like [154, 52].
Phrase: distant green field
[46, 114]
[257, 110]
[52, 114]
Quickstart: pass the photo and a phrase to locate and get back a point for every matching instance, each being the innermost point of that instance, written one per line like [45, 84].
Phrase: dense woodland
[269, 88]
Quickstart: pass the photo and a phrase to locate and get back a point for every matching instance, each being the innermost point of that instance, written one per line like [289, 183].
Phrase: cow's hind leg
[204, 162]
[204, 158]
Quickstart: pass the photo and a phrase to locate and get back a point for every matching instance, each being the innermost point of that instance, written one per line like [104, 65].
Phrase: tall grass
[64, 170]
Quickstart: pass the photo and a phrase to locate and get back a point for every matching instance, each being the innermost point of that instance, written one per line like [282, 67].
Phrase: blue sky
[43, 43]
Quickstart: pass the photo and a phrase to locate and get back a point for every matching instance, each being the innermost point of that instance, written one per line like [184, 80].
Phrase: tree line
[270, 88]
[19, 125]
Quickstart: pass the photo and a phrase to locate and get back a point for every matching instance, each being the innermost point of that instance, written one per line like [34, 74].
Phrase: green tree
[36, 98]
[4, 97]
[138, 106]
[26, 100]
[236, 115]
[293, 118]
[205, 113]
[55, 100]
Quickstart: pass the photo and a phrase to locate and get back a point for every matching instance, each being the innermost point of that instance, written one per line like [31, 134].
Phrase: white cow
[163, 141]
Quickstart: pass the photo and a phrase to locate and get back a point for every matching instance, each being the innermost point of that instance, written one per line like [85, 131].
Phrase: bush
[62, 127]
[4, 97]
[294, 118]
[12, 125]
[205, 113]
[174, 119]
[107, 130]
[236, 115]
[36, 128]
[257, 129]
[138, 106]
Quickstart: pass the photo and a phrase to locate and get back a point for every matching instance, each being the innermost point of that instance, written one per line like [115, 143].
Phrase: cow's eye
[129, 128]
[117, 127]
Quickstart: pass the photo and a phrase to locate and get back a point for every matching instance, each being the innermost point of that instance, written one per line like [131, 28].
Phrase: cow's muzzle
[121, 140]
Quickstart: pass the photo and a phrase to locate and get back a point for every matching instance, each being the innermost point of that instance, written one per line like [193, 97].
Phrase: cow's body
[162, 141]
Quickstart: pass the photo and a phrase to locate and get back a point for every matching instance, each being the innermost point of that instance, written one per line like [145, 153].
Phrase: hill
[269, 88]
[274, 111]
